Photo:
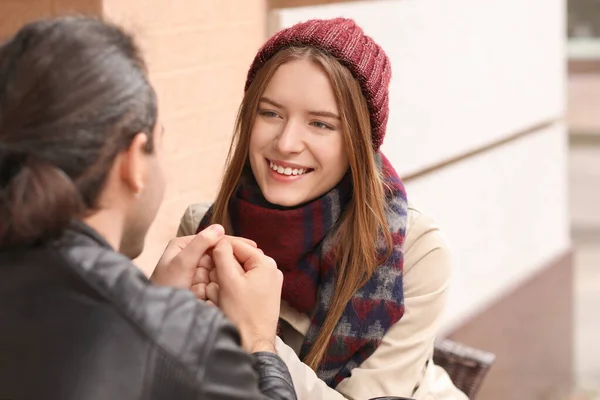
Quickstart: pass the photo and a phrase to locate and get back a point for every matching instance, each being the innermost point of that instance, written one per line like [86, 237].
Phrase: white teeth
[286, 170]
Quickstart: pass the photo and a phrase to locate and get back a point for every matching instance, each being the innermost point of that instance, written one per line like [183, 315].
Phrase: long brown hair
[364, 219]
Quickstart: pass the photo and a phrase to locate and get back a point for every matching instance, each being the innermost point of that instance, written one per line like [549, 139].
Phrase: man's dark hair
[74, 93]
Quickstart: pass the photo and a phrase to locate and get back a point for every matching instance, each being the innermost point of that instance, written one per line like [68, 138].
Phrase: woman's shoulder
[191, 218]
[419, 221]
[427, 252]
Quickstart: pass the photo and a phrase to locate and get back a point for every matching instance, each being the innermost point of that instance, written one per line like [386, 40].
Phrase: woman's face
[297, 152]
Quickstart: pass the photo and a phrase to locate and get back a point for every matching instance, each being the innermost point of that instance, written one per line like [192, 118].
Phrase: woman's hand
[202, 279]
[205, 284]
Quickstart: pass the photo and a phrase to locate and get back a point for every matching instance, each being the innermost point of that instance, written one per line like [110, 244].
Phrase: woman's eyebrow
[324, 114]
[272, 102]
[328, 114]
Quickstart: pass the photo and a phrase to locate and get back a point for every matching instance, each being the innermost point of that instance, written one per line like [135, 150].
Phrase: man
[80, 183]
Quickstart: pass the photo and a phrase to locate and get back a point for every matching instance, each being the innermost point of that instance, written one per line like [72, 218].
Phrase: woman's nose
[290, 138]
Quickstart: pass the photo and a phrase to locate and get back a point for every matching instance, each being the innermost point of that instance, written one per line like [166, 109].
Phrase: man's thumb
[225, 263]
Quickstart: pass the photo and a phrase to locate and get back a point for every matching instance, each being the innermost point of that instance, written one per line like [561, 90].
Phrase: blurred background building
[479, 129]
[583, 118]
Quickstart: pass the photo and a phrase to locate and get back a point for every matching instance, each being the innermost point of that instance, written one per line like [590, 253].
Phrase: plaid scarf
[301, 241]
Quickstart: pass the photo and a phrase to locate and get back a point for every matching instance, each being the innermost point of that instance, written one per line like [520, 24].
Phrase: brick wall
[198, 53]
[14, 13]
[302, 3]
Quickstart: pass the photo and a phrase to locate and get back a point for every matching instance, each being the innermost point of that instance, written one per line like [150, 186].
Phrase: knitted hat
[345, 41]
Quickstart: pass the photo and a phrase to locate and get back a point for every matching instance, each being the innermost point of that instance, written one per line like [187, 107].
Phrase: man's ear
[134, 164]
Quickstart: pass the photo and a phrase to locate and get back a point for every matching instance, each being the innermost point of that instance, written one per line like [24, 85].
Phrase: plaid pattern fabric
[301, 240]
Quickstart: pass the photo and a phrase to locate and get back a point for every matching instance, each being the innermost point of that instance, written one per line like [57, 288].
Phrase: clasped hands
[230, 272]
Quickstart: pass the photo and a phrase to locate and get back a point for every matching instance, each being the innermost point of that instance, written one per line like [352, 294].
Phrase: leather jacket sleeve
[232, 373]
[98, 329]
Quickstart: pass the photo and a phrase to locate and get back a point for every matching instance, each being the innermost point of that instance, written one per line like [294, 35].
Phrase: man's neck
[109, 224]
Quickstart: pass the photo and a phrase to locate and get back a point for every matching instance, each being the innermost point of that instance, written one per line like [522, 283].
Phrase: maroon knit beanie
[345, 41]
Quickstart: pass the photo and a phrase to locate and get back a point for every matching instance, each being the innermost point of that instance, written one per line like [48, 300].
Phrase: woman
[80, 183]
[364, 272]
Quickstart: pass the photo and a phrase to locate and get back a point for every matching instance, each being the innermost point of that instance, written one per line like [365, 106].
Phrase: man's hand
[178, 264]
[249, 292]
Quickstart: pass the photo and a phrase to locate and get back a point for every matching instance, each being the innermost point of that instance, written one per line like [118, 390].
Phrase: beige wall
[464, 89]
[198, 53]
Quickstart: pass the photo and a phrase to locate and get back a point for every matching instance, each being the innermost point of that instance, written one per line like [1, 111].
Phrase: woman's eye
[268, 114]
[322, 125]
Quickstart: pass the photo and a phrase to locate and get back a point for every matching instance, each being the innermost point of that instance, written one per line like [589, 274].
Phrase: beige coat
[402, 365]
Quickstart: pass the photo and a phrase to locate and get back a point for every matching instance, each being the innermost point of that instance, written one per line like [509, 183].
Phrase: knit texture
[301, 240]
[346, 41]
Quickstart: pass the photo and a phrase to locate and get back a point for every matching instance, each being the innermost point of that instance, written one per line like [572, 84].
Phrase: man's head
[79, 135]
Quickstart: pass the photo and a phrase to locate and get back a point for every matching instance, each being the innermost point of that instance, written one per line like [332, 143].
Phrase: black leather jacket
[79, 321]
